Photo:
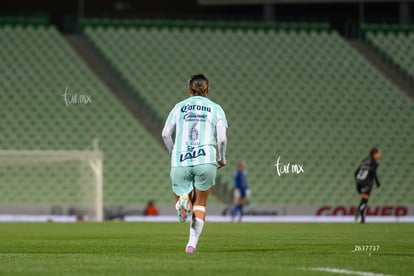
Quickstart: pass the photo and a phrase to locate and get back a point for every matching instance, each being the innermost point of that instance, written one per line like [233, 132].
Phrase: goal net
[49, 183]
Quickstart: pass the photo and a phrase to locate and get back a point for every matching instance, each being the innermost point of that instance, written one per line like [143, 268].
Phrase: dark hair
[198, 84]
[372, 151]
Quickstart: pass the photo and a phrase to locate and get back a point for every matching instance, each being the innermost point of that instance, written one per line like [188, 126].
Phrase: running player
[365, 175]
[241, 191]
[200, 126]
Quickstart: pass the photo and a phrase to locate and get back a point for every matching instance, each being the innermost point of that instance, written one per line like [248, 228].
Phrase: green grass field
[224, 249]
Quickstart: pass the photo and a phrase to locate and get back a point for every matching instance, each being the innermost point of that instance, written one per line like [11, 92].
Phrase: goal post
[52, 182]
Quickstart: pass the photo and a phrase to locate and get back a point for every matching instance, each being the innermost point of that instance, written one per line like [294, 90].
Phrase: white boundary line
[277, 219]
[215, 218]
[36, 218]
[344, 271]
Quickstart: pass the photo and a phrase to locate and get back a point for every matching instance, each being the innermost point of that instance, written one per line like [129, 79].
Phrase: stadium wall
[262, 213]
[315, 210]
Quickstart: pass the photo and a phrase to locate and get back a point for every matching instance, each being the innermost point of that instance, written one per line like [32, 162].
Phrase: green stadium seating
[37, 65]
[304, 95]
[395, 43]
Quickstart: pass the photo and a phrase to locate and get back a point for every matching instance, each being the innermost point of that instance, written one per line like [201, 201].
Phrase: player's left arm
[376, 178]
[168, 131]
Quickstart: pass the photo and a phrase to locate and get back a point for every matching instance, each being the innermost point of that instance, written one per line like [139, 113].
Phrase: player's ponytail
[198, 85]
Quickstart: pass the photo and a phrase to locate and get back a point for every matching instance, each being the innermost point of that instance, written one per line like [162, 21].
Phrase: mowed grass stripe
[224, 249]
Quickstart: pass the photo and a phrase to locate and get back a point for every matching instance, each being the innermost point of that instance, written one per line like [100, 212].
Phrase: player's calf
[196, 227]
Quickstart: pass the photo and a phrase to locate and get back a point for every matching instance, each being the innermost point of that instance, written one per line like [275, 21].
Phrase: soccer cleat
[190, 249]
[356, 215]
[183, 208]
[363, 219]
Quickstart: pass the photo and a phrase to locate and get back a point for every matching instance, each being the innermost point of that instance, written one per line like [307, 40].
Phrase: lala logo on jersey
[192, 154]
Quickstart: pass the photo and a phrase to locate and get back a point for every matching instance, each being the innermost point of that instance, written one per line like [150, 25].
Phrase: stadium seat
[304, 95]
[395, 43]
[299, 93]
[38, 66]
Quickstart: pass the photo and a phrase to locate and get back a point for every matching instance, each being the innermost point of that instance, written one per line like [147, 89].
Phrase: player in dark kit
[364, 177]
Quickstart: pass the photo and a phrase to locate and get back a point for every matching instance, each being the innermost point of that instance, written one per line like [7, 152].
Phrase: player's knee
[364, 196]
[199, 211]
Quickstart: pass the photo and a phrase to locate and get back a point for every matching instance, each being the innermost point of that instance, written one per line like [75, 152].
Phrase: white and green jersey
[195, 120]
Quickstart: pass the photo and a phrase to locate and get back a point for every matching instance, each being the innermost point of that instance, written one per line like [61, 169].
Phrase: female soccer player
[365, 175]
[241, 191]
[200, 126]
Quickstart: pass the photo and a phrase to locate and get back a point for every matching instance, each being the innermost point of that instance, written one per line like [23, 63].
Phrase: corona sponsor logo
[197, 107]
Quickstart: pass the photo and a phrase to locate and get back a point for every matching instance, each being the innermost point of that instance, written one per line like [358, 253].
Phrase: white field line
[344, 271]
[310, 219]
[216, 218]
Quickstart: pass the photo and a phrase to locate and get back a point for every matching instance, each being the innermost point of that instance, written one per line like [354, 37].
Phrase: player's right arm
[221, 145]
[356, 172]
[221, 128]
